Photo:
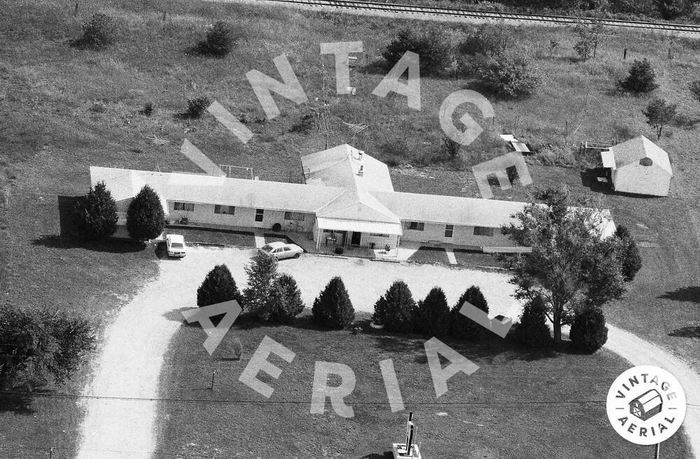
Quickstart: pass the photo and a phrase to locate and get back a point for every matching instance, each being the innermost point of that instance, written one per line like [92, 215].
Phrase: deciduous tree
[570, 267]
[659, 113]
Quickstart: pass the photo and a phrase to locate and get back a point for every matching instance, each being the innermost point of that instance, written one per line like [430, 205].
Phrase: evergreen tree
[145, 218]
[532, 330]
[285, 300]
[396, 308]
[332, 308]
[262, 272]
[641, 78]
[462, 326]
[588, 332]
[218, 286]
[433, 314]
[96, 213]
[629, 256]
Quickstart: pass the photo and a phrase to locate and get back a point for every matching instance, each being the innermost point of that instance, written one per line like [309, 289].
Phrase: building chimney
[361, 171]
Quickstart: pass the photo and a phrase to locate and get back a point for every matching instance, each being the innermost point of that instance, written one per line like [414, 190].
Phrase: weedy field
[65, 109]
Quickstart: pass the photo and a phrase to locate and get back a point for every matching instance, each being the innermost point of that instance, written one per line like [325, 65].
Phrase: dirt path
[120, 423]
[640, 352]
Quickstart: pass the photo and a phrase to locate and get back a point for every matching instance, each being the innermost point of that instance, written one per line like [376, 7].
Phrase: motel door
[356, 236]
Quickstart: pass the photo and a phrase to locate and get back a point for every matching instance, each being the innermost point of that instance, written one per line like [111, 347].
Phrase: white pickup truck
[175, 244]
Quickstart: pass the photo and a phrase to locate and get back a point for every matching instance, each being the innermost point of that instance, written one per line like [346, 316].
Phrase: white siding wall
[461, 236]
[379, 241]
[649, 180]
[243, 216]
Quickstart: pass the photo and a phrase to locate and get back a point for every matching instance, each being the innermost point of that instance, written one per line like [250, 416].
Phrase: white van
[176, 245]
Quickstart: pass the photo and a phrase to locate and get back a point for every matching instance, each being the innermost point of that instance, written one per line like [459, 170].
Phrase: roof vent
[361, 170]
[646, 162]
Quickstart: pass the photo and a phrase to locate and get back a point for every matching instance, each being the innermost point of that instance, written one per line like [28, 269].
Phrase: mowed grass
[54, 130]
[517, 404]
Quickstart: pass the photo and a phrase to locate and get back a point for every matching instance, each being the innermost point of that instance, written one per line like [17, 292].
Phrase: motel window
[378, 235]
[186, 206]
[294, 216]
[259, 213]
[448, 230]
[418, 226]
[230, 210]
[483, 231]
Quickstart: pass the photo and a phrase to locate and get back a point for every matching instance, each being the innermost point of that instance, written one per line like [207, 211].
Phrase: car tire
[296, 255]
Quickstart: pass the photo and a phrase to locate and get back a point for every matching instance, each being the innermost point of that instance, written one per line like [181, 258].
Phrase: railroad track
[462, 13]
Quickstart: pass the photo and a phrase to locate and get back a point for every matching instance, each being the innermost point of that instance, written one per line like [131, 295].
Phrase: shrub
[98, 32]
[629, 256]
[262, 272]
[75, 337]
[671, 9]
[432, 46]
[449, 147]
[38, 347]
[488, 39]
[196, 107]
[508, 75]
[641, 78]
[532, 330]
[588, 332]
[396, 309]
[305, 124]
[147, 109]
[463, 327]
[695, 89]
[433, 315]
[218, 286]
[587, 44]
[219, 42]
[285, 300]
[145, 218]
[338, 250]
[96, 213]
[332, 308]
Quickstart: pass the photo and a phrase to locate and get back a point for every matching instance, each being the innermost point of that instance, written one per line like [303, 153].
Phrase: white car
[280, 250]
[175, 244]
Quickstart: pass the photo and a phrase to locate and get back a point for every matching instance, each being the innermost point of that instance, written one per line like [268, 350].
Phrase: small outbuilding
[638, 166]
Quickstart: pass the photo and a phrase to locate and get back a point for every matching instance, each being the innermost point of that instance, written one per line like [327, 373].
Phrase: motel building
[347, 200]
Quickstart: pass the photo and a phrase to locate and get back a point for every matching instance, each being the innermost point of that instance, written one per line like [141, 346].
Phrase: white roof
[359, 226]
[450, 209]
[340, 166]
[176, 238]
[208, 189]
[632, 151]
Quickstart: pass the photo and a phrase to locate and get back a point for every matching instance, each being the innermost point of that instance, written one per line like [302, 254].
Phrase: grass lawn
[517, 404]
[476, 259]
[213, 236]
[430, 255]
[67, 109]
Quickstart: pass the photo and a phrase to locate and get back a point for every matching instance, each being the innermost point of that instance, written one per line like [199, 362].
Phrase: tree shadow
[683, 294]
[107, 245]
[686, 332]
[16, 402]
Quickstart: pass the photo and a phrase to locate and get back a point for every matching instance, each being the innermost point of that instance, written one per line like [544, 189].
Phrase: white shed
[638, 166]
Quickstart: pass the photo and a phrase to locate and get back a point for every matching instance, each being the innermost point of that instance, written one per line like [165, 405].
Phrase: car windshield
[267, 248]
[177, 245]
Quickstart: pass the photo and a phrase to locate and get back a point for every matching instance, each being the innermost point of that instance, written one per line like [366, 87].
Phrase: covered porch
[332, 232]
